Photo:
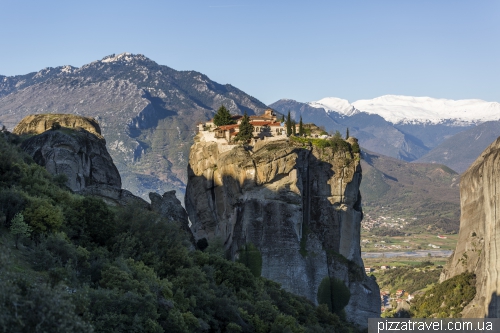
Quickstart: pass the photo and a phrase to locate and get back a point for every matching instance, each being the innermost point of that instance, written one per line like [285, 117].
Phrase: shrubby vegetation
[446, 299]
[336, 143]
[409, 278]
[88, 267]
[333, 293]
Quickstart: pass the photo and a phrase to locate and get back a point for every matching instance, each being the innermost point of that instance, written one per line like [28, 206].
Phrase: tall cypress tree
[301, 127]
[288, 124]
[223, 117]
[246, 129]
[347, 133]
[294, 128]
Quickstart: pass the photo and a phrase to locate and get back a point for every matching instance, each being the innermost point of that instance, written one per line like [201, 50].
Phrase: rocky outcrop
[166, 205]
[39, 123]
[64, 145]
[114, 196]
[76, 153]
[478, 247]
[299, 205]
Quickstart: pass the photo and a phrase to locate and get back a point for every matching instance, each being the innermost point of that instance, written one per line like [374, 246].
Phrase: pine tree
[294, 128]
[283, 118]
[246, 129]
[19, 228]
[347, 133]
[301, 127]
[223, 117]
[288, 124]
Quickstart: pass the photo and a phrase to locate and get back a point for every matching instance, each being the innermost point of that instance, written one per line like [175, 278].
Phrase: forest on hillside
[70, 263]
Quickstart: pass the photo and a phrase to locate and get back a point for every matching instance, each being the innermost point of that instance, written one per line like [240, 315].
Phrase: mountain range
[407, 128]
[147, 112]
[426, 194]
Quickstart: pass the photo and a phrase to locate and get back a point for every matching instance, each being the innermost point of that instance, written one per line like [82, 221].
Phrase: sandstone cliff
[299, 205]
[39, 123]
[479, 238]
[76, 153]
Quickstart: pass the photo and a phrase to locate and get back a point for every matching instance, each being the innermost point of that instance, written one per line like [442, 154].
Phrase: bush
[42, 216]
[334, 293]
[26, 307]
[90, 220]
[250, 257]
[12, 202]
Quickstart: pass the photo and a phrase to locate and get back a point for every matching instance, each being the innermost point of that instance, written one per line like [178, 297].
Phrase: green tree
[19, 228]
[42, 216]
[337, 135]
[294, 128]
[288, 124]
[246, 129]
[90, 220]
[250, 256]
[347, 133]
[301, 127]
[334, 293]
[223, 117]
[283, 118]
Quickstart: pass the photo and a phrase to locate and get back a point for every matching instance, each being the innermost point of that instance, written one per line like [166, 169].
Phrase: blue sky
[304, 50]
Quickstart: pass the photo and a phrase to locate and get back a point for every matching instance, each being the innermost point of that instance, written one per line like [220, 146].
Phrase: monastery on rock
[264, 126]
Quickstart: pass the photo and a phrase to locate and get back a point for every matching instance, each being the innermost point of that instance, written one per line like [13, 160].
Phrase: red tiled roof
[260, 123]
[275, 124]
[261, 117]
[227, 127]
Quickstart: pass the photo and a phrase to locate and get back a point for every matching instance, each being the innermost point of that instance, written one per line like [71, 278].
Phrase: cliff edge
[296, 204]
[80, 155]
[478, 247]
[39, 123]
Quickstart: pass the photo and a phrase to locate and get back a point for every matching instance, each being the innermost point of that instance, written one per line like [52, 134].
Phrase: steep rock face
[478, 247]
[298, 205]
[80, 155]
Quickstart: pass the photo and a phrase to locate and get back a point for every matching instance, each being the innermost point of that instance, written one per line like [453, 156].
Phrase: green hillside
[425, 195]
[73, 264]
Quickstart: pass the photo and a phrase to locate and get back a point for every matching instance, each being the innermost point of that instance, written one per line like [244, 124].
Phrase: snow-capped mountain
[403, 127]
[416, 110]
[334, 104]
